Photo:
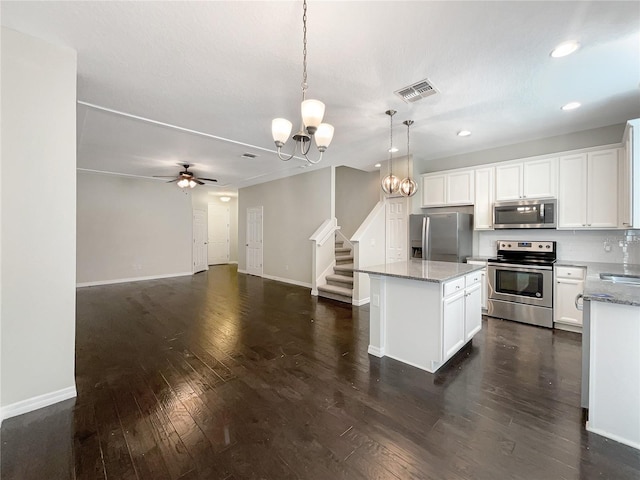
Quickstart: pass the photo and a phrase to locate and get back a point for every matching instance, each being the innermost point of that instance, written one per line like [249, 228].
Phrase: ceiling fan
[186, 178]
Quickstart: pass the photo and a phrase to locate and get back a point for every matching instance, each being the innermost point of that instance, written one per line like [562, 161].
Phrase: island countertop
[422, 270]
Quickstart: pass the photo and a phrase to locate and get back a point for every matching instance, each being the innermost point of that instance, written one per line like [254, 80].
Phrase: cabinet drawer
[453, 286]
[570, 272]
[473, 278]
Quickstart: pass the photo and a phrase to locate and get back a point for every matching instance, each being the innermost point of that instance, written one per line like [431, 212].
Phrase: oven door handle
[522, 268]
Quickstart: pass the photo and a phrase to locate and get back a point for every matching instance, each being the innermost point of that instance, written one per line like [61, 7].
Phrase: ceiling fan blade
[208, 179]
[174, 180]
[197, 180]
[163, 176]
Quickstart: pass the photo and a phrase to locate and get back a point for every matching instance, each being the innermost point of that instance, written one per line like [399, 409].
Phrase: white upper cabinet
[539, 178]
[434, 190]
[509, 182]
[629, 202]
[484, 192]
[460, 188]
[588, 187]
[529, 179]
[454, 188]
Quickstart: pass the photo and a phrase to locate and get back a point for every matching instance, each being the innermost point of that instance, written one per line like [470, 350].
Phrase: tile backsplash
[589, 246]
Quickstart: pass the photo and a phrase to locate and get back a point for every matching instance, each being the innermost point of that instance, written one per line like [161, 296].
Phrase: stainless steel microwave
[525, 214]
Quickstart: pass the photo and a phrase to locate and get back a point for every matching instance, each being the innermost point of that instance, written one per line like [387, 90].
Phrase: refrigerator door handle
[426, 244]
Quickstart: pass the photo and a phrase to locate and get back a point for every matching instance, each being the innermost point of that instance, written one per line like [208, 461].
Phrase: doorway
[254, 241]
[396, 229]
[199, 241]
[219, 234]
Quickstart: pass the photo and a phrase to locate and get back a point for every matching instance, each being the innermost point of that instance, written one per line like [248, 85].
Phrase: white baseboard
[287, 280]
[241, 271]
[359, 303]
[314, 292]
[376, 351]
[612, 436]
[132, 279]
[234, 262]
[34, 403]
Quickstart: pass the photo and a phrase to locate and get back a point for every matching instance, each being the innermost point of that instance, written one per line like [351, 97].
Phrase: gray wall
[357, 192]
[38, 219]
[132, 227]
[573, 141]
[294, 208]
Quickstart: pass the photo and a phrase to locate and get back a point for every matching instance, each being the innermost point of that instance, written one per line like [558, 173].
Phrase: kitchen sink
[620, 278]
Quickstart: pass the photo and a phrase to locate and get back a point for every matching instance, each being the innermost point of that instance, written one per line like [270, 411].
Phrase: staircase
[340, 284]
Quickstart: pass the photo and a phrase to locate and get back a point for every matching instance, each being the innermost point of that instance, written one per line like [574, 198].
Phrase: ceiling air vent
[417, 91]
[248, 155]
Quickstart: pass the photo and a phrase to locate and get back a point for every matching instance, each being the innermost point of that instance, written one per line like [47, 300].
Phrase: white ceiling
[226, 68]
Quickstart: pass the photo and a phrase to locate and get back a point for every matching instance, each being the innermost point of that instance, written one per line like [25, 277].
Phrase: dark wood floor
[228, 376]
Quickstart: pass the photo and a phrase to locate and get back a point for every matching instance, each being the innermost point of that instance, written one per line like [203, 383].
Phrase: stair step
[344, 269]
[341, 259]
[336, 293]
[340, 281]
[343, 250]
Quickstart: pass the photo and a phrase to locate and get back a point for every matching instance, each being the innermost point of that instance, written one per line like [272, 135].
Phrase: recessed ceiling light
[393, 150]
[564, 49]
[464, 133]
[378, 165]
[225, 199]
[571, 106]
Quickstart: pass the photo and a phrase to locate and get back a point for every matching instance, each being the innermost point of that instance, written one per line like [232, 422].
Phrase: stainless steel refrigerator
[443, 237]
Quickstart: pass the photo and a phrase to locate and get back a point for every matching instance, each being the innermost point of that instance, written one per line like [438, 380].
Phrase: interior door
[254, 241]
[218, 227]
[199, 241]
[396, 229]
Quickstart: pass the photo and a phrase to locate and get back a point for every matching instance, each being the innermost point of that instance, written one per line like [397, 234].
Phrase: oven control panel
[520, 246]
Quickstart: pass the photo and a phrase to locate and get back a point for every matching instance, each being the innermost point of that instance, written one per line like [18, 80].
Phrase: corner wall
[294, 207]
[133, 228]
[357, 192]
[38, 223]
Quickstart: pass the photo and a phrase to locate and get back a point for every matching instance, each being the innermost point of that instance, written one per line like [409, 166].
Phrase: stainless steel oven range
[520, 282]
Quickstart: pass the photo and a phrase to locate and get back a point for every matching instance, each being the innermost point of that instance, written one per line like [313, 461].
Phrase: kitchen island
[423, 312]
[611, 354]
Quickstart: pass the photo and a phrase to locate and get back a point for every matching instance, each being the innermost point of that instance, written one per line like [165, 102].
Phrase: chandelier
[390, 183]
[408, 187]
[312, 112]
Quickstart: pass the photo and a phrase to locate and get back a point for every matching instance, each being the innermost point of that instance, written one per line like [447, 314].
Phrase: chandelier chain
[304, 49]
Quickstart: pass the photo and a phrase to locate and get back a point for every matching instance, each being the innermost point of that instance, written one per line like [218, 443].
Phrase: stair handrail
[325, 231]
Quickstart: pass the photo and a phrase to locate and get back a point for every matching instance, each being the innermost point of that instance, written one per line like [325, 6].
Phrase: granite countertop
[422, 270]
[599, 290]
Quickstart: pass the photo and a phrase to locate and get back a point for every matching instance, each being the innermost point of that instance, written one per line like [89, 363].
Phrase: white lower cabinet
[472, 312]
[461, 312]
[453, 323]
[569, 283]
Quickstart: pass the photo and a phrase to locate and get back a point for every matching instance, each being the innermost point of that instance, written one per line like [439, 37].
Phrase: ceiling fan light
[183, 183]
[323, 136]
[192, 184]
[312, 114]
[281, 129]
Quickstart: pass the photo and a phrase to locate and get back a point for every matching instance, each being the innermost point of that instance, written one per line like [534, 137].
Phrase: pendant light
[312, 112]
[390, 183]
[408, 187]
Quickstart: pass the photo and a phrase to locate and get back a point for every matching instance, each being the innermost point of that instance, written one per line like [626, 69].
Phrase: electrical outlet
[376, 300]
